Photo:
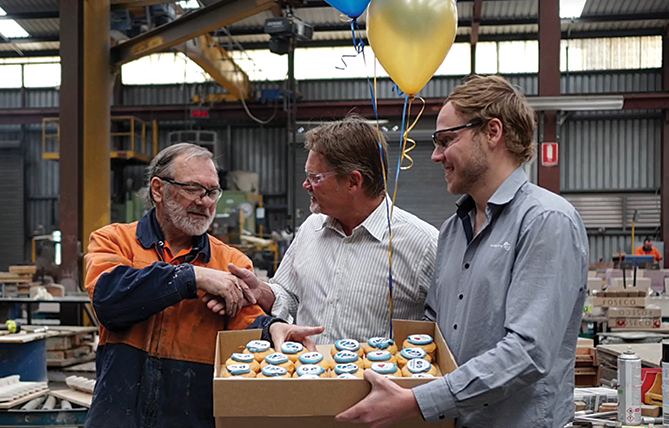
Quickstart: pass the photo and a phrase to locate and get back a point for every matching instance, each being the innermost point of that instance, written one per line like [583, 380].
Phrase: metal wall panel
[610, 154]
[619, 81]
[10, 98]
[42, 98]
[12, 213]
[42, 185]
[602, 247]
[262, 150]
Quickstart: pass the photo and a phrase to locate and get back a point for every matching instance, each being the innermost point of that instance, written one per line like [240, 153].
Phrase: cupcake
[386, 369]
[345, 357]
[241, 358]
[238, 370]
[347, 376]
[278, 359]
[271, 371]
[347, 345]
[311, 369]
[379, 344]
[314, 358]
[259, 349]
[292, 350]
[424, 341]
[378, 357]
[348, 368]
[418, 366]
[407, 354]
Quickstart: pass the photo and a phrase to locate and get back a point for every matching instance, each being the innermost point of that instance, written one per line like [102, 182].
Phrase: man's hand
[224, 284]
[263, 295]
[385, 405]
[282, 332]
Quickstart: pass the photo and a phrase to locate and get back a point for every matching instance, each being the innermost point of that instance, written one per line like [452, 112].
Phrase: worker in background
[510, 278]
[648, 249]
[335, 272]
[146, 281]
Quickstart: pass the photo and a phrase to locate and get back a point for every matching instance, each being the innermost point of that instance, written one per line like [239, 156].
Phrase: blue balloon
[352, 8]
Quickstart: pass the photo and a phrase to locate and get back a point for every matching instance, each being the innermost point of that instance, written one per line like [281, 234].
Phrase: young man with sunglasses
[335, 273]
[510, 278]
[150, 283]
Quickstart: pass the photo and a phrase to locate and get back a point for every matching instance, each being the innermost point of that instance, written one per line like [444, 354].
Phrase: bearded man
[150, 282]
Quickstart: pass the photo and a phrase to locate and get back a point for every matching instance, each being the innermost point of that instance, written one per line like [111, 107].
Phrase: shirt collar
[376, 223]
[148, 234]
[502, 196]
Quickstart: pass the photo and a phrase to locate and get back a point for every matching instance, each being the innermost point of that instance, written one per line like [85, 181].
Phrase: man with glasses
[509, 283]
[150, 283]
[335, 273]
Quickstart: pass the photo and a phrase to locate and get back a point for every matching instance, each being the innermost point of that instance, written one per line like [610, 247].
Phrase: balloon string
[359, 46]
[411, 141]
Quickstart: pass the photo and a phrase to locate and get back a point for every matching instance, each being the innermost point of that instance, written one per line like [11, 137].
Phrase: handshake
[226, 293]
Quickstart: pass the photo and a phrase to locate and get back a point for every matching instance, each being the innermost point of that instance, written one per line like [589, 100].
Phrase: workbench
[650, 353]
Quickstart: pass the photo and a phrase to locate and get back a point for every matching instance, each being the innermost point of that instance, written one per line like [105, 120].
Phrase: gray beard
[178, 217]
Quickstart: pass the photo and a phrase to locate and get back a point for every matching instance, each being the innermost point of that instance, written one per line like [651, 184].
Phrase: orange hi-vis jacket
[157, 338]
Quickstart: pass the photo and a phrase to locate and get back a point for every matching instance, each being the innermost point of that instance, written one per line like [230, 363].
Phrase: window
[613, 53]
[11, 76]
[520, 56]
[41, 75]
[162, 68]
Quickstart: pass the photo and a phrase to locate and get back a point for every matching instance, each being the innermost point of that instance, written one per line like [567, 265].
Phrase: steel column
[71, 138]
[84, 129]
[549, 82]
[98, 84]
[664, 180]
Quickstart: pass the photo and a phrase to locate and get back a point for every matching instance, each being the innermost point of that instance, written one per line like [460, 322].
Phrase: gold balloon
[411, 38]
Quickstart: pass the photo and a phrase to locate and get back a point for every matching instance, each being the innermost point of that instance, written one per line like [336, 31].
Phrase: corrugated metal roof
[621, 7]
[41, 27]
[25, 47]
[517, 9]
[22, 6]
[509, 29]
[615, 25]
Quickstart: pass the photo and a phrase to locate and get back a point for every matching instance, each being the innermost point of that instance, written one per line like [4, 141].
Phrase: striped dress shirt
[341, 282]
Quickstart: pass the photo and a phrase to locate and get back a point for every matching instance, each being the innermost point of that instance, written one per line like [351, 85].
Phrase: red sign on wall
[549, 154]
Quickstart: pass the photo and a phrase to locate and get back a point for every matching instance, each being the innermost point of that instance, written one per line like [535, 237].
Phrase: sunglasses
[441, 140]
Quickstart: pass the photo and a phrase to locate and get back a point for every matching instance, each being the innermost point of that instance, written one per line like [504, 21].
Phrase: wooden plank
[10, 404]
[68, 353]
[77, 397]
[21, 337]
[650, 353]
[23, 270]
[70, 361]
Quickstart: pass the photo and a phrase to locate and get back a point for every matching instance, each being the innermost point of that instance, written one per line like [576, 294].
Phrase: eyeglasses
[443, 141]
[315, 178]
[196, 190]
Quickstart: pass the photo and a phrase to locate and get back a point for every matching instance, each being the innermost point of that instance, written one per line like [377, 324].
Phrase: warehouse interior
[91, 91]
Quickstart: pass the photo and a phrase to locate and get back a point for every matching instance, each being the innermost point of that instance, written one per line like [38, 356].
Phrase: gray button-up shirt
[509, 302]
[341, 282]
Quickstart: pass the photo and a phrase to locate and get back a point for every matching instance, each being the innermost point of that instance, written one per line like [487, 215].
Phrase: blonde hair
[488, 97]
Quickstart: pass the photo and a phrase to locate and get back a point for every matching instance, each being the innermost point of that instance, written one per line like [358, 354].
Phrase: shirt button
[441, 416]
[455, 326]
[461, 296]
[466, 265]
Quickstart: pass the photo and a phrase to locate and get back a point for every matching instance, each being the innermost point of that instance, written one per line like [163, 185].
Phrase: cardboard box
[649, 312]
[306, 403]
[635, 322]
[636, 302]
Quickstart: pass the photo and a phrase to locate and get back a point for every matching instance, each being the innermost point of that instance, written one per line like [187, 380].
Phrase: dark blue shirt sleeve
[125, 295]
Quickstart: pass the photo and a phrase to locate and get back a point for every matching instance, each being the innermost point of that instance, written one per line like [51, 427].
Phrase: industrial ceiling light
[189, 4]
[571, 8]
[577, 102]
[10, 29]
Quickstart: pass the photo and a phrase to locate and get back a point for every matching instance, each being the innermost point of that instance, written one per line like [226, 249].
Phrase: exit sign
[199, 113]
